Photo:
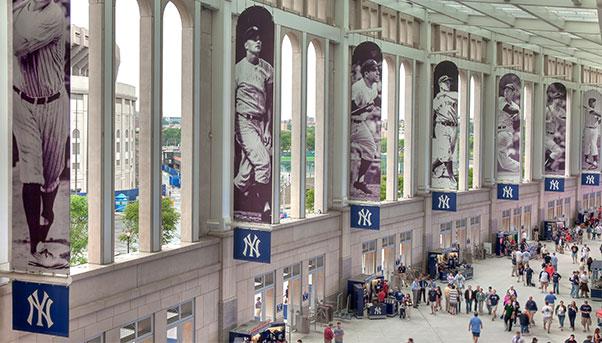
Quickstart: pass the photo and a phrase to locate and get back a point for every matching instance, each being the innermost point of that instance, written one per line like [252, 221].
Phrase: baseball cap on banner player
[252, 33]
[369, 65]
[444, 78]
[511, 86]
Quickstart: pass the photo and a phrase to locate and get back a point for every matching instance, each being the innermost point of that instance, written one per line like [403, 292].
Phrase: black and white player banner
[554, 140]
[592, 116]
[366, 86]
[40, 126]
[444, 167]
[508, 129]
[253, 122]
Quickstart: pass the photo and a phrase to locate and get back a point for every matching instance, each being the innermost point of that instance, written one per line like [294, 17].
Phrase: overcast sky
[127, 35]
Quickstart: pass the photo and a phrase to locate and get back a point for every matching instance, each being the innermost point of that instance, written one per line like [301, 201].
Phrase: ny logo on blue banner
[41, 308]
[507, 191]
[444, 201]
[365, 217]
[554, 185]
[590, 179]
[252, 245]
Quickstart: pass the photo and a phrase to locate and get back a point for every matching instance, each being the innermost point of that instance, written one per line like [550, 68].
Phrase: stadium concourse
[494, 272]
[176, 171]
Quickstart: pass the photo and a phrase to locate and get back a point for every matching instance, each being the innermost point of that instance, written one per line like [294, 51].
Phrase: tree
[171, 136]
[169, 219]
[310, 142]
[309, 200]
[285, 141]
[78, 233]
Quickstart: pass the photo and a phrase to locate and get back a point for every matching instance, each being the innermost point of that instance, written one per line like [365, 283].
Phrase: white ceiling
[564, 28]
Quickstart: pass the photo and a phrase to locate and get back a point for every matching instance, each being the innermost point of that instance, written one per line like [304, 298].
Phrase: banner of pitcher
[40, 127]
[508, 132]
[444, 162]
[592, 116]
[554, 140]
[253, 122]
[366, 92]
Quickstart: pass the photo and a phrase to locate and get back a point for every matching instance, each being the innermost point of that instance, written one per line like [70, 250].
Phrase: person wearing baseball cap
[444, 78]
[252, 33]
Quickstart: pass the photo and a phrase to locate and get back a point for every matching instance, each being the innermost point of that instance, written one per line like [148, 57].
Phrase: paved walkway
[495, 272]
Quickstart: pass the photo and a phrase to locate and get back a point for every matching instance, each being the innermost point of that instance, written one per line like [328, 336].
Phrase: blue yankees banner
[506, 191]
[444, 201]
[554, 184]
[365, 217]
[592, 179]
[444, 159]
[41, 308]
[252, 245]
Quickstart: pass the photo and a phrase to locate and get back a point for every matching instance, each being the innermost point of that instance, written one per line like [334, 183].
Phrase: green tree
[310, 143]
[309, 200]
[78, 233]
[171, 136]
[383, 144]
[470, 173]
[169, 219]
[285, 141]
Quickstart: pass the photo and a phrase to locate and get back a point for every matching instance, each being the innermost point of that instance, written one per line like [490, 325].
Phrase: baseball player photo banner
[508, 129]
[592, 116]
[40, 127]
[366, 89]
[254, 86]
[444, 168]
[555, 129]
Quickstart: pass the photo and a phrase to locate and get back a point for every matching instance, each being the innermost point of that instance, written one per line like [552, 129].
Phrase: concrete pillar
[575, 126]
[340, 129]
[5, 131]
[489, 97]
[411, 108]
[464, 95]
[276, 117]
[299, 124]
[191, 127]
[527, 126]
[222, 132]
[477, 132]
[539, 100]
[322, 114]
[423, 115]
[150, 128]
[392, 128]
[101, 206]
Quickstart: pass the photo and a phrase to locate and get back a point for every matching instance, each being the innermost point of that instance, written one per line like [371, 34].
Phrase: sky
[127, 35]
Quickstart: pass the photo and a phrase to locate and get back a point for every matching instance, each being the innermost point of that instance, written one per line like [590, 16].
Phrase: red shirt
[381, 296]
[550, 270]
[328, 333]
[386, 288]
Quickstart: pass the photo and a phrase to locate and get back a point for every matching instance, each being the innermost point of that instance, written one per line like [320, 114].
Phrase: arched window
[118, 134]
[75, 134]
[127, 134]
[401, 130]
[471, 133]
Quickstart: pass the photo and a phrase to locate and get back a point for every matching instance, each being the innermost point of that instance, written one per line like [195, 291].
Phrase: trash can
[302, 323]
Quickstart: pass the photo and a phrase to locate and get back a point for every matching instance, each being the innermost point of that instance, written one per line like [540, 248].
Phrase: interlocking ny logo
[43, 309]
[364, 217]
[377, 310]
[554, 185]
[252, 245]
[589, 180]
[443, 201]
[507, 192]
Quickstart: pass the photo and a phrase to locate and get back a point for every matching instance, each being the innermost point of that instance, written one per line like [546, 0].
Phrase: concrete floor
[424, 327]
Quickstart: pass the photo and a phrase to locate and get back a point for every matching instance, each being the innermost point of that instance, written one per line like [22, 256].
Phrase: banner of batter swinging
[592, 116]
[40, 126]
[366, 90]
[508, 129]
[444, 167]
[254, 82]
[555, 130]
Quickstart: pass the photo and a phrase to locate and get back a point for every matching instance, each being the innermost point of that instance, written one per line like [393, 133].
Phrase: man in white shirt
[547, 311]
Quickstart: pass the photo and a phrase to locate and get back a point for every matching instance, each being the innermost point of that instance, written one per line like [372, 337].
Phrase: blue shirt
[475, 324]
[550, 298]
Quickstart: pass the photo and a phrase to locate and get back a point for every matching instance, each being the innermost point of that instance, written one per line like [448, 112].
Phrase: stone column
[299, 123]
[5, 131]
[423, 115]
[323, 114]
[464, 95]
[392, 128]
[150, 128]
[191, 127]
[487, 156]
[101, 204]
[411, 108]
